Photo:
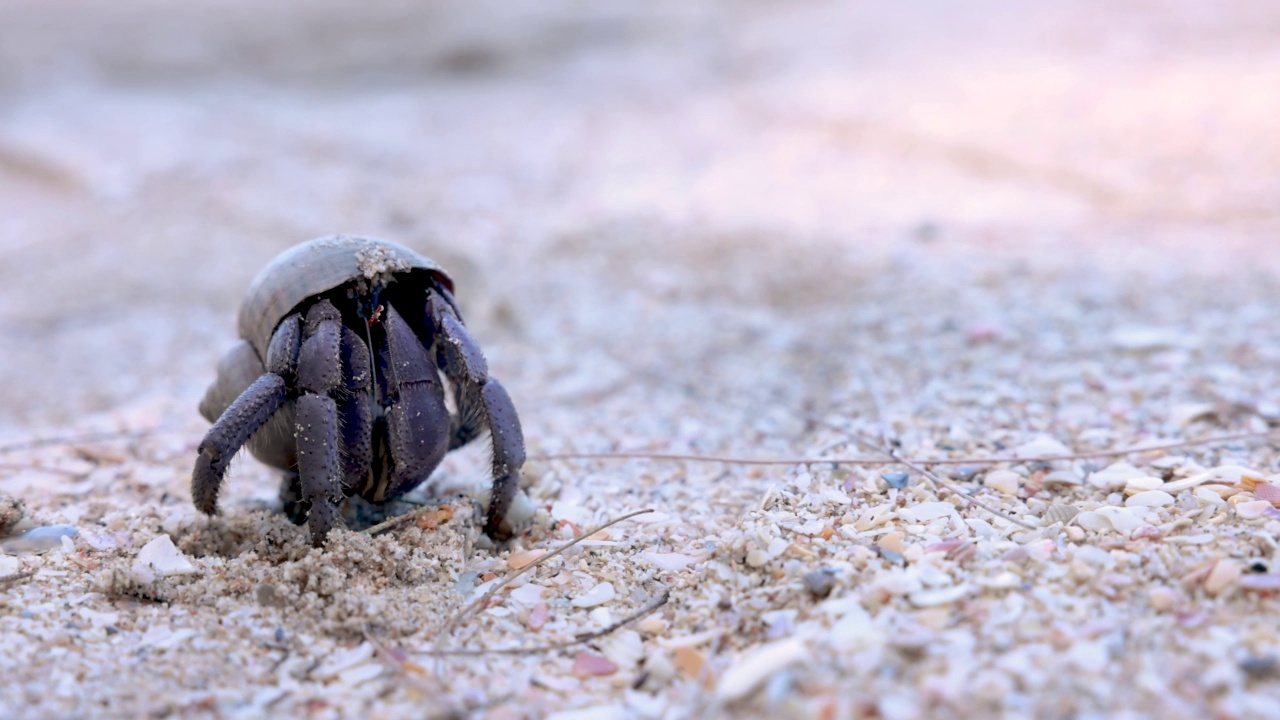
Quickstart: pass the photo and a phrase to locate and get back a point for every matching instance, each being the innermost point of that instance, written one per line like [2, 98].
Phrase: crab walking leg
[508, 452]
[282, 352]
[482, 403]
[457, 353]
[320, 357]
[417, 419]
[320, 469]
[240, 420]
[318, 465]
[460, 359]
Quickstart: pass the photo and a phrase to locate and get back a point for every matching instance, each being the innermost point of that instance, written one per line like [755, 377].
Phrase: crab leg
[482, 404]
[457, 353]
[318, 465]
[508, 452]
[240, 420]
[316, 425]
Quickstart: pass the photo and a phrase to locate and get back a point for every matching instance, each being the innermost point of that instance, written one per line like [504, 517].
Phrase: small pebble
[598, 595]
[891, 541]
[587, 664]
[1043, 446]
[892, 556]
[161, 557]
[1268, 492]
[538, 617]
[624, 648]
[925, 511]
[522, 558]
[1142, 484]
[1115, 476]
[757, 666]
[1225, 574]
[1060, 513]
[38, 540]
[1260, 667]
[1150, 498]
[527, 594]
[1162, 599]
[689, 661]
[652, 625]
[1253, 509]
[269, 596]
[1260, 583]
[819, 582]
[1061, 477]
[896, 480]
[1003, 481]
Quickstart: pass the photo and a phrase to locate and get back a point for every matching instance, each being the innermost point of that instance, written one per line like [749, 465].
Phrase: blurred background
[586, 167]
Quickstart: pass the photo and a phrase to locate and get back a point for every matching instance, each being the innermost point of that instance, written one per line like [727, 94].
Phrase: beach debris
[1150, 498]
[589, 664]
[819, 582]
[757, 666]
[1042, 446]
[670, 562]
[158, 558]
[523, 558]
[1060, 513]
[1003, 481]
[38, 540]
[1224, 576]
[599, 594]
[897, 480]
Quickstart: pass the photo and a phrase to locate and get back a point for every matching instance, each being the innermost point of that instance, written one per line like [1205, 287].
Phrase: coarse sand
[1027, 252]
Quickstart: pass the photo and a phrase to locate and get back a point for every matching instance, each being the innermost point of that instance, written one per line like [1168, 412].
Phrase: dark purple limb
[282, 353]
[233, 428]
[320, 358]
[508, 452]
[417, 419]
[482, 404]
[459, 355]
[319, 468]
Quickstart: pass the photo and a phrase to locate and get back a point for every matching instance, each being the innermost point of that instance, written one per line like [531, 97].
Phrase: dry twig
[661, 599]
[480, 601]
[871, 462]
[890, 444]
[8, 580]
[397, 520]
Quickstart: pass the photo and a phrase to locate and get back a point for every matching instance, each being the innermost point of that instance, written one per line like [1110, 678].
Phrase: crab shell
[299, 273]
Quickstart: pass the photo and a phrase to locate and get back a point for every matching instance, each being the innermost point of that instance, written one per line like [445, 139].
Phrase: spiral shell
[319, 266]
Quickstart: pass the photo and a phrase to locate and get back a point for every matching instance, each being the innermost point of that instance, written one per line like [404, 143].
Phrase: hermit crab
[349, 348]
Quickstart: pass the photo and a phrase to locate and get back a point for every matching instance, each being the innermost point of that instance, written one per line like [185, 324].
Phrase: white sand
[718, 230]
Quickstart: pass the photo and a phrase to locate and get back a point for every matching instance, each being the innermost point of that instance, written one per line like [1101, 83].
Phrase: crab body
[349, 348]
